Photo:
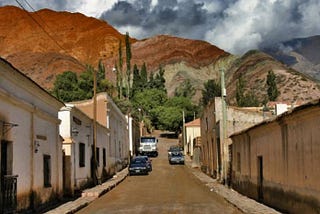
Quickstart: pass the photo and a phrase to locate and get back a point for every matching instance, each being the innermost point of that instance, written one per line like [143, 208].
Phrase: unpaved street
[167, 189]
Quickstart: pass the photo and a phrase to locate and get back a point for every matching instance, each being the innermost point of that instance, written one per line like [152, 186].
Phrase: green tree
[211, 89]
[147, 101]
[65, 87]
[169, 116]
[144, 76]
[159, 81]
[69, 87]
[137, 81]
[128, 62]
[185, 89]
[273, 92]
[240, 91]
[86, 82]
[151, 82]
[119, 70]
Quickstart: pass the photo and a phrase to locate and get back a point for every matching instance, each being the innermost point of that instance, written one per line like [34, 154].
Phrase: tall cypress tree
[144, 75]
[128, 62]
[119, 71]
[273, 92]
[136, 82]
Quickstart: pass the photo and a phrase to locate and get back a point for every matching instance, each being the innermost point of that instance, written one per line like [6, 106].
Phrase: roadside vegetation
[143, 94]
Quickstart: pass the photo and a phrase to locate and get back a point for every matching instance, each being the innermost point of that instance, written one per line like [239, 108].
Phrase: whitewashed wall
[35, 112]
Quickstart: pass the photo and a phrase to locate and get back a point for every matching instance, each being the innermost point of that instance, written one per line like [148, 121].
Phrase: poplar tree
[273, 92]
[119, 71]
[144, 75]
[128, 62]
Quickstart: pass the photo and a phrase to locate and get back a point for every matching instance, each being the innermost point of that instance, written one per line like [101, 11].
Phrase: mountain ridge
[79, 40]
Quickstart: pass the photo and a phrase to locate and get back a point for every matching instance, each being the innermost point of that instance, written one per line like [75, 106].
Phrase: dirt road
[167, 189]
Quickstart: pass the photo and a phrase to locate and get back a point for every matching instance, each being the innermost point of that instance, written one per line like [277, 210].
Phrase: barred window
[47, 170]
[82, 154]
[104, 158]
[98, 156]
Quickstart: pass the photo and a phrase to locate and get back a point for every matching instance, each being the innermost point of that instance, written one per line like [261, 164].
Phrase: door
[8, 188]
[260, 178]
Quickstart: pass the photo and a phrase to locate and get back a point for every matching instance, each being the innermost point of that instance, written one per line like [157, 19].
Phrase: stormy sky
[233, 25]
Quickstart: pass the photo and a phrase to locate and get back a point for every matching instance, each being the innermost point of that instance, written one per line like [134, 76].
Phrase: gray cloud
[233, 25]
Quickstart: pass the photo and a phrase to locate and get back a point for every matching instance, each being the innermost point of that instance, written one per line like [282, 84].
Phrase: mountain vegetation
[155, 79]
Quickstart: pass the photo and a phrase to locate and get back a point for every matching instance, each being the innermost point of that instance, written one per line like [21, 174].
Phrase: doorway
[260, 178]
[8, 187]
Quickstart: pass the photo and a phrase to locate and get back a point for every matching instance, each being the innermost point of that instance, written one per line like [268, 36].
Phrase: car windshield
[148, 140]
[138, 160]
[175, 148]
[177, 154]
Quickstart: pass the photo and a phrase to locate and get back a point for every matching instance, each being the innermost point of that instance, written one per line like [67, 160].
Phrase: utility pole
[184, 140]
[224, 129]
[94, 153]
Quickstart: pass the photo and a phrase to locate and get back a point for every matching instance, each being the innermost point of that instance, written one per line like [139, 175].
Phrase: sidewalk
[243, 203]
[90, 195]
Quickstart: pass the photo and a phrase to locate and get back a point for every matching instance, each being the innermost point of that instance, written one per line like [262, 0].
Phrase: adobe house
[110, 116]
[215, 150]
[76, 128]
[31, 157]
[192, 132]
[277, 161]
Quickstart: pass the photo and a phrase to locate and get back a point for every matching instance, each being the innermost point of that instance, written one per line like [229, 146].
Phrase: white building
[110, 116]
[76, 128]
[30, 142]
[192, 132]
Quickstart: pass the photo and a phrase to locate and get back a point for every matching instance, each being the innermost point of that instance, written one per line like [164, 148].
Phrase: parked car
[149, 161]
[174, 150]
[138, 166]
[176, 158]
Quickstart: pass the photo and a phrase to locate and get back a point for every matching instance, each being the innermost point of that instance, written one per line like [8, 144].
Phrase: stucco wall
[109, 115]
[289, 148]
[215, 154]
[35, 112]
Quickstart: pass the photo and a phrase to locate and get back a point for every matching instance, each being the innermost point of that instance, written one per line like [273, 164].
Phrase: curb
[89, 195]
[243, 203]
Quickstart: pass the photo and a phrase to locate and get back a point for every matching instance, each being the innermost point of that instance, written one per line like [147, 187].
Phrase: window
[82, 154]
[104, 159]
[47, 170]
[98, 156]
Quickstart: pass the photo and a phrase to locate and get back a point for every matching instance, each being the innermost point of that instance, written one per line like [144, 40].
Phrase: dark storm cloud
[186, 18]
[234, 25]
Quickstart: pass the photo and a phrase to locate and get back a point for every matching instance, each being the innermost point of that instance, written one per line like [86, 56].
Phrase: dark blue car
[138, 166]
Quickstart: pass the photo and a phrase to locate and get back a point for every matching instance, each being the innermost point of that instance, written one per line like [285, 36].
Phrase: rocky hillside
[181, 58]
[45, 43]
[301, 54]
[254, 66]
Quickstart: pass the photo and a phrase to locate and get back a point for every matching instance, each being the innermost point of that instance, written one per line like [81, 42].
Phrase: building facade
[192, 132]
[216, 150]
[277, 161]
[110, 116]
[30, 144]
[77, 131]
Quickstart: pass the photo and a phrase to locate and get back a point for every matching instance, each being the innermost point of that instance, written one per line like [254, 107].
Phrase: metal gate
[9, 193]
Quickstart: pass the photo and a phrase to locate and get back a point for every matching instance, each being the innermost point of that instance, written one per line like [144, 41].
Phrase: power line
[44, 30]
